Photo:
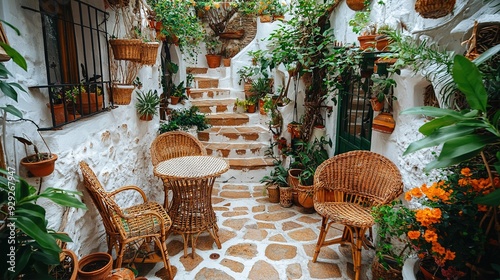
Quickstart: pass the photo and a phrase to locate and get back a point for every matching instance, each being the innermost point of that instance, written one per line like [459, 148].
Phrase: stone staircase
[242, 139]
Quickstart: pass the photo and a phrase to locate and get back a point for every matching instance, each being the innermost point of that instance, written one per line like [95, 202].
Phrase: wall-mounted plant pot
[367, 41]
[41, 168]
[126, 49]
[377, 105]
[146, 117]
[265, 18]
[213, 60]
[174, 100]
[434, 8]
[384, 122]
[96, 266]
[122, 94]
[149, 52]
[89, 103]
[355, 5]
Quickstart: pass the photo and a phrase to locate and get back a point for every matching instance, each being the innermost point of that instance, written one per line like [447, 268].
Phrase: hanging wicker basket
[126, 49]
[149, 52]
[122, 94]
[434, 8]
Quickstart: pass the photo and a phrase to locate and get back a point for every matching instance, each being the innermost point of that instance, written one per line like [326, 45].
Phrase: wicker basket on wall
[126, 49]
[122, 94]
[434, 8]
[355, 5]
[149, 52]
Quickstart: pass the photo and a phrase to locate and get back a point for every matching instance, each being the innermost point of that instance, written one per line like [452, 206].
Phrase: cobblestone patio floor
[260, 240]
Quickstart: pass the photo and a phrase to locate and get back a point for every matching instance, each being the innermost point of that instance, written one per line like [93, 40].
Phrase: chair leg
[356, 239]
[164, 254]
[321, 238]
[119, 256]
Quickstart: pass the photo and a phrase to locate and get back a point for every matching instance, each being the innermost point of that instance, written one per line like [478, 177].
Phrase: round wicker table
[191, 180]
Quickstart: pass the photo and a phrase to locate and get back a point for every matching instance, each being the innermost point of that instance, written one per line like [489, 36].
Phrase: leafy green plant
[179, 90]
[361, 24]
[247, 74]
[213, 44]
[381, 87]
[261, 87]
[277, 176]
[147, 103]
[392, 225]
[308, 156]
[185, 119]
[29, 246]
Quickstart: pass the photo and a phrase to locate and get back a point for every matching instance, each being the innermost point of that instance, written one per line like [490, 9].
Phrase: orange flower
[449, 255]
[408, 196]
[207, 7]
[430, 236]
[413, 234]
[436, 247]
[416, 192]
[217, 5]
[466, 172]
[428, 216]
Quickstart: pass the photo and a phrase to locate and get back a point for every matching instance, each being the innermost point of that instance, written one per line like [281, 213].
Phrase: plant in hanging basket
[39, 164]
[357, 5]
[434, 8]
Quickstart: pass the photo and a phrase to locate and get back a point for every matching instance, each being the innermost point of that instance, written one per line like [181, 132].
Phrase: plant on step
[28, 246]
[179, 91]
[147, 103]
[247, 74]
[184, 119]
[261, 87]
[308, 156]
[277, 176]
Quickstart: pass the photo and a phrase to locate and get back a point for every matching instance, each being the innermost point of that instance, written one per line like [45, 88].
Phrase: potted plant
[240, 105]
[246, 75]
[38, 164]
[381, 90]
[33, 238]
[147, 104]
[251, 103]
[85, 100]
[177, 93]
[185, 119]
[189, 83]
[277, 181]
[391, 242]
[213, 45]
[95, 266]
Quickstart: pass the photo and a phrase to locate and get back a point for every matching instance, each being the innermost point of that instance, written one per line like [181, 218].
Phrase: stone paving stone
[278, 252]
[205, 242]
[212, 273]
[323, 270]
[221, 209]
[272, 217]
[235, 194]
[236, 224]
[235, 187]
[234, 213]
[274, 208]
[225, 235]
[259, 194]
[277, 238]
[251, 226]
[240, 209]
[233, 265]
[290, 225]
[305, 234]
[217, 200]
[255, 234]
[190, 263]
[363, 274]
[325, 253]
[265, 226]
[260, 208]
[262, 270]
[243, 250]
[261, 199]
[309, 220]
[174, 247]
[294, 271]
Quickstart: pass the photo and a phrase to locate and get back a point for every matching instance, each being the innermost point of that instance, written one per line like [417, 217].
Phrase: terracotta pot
[367, 41]
[122, 273]
[87, 104]
[305, 195]
[174, 100]
[355, 5]
[226, 62]
[273, 192]
[213, 60]
[427, 274]
[103, 263]
[281, 143]
[278, 17]
[293, 177]
[251, 108]
[146, 117]
[377, 106]
[41, 168]
[265, 18]
[384, 122]
[382, 44]
[60, 114]
[262, 111]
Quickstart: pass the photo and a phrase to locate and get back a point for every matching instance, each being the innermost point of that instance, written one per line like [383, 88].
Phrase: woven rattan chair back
[346, 186]
[362, 177]
[104, 204]
[174, 144]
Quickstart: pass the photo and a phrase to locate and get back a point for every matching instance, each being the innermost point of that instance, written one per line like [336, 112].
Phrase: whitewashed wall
[115, 144]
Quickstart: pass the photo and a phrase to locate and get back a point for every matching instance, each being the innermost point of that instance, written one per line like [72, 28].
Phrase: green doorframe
[354, 117]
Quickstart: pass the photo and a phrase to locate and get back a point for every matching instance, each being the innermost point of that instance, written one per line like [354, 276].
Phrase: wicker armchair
[134, 226]
[174, 144]
[346, 187]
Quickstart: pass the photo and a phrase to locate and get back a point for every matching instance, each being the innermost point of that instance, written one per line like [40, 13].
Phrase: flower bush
[448, 228]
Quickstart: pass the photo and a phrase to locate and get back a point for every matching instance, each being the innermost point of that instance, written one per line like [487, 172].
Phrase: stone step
[236, 150]
[227, 119]
[250, 163]
[196, 70]
[235, 134]
[208, 106]
[209, 93]
[203, 82]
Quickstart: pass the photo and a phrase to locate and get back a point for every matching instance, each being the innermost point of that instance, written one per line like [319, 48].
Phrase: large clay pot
[213, 60]
[96, 266]
[40, 168]
[293, 177]
[305, 196]
[384, 122]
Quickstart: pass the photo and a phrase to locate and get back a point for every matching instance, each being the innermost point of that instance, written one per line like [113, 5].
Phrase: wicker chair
[136, 225]
[346, 187]
[171, 145]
